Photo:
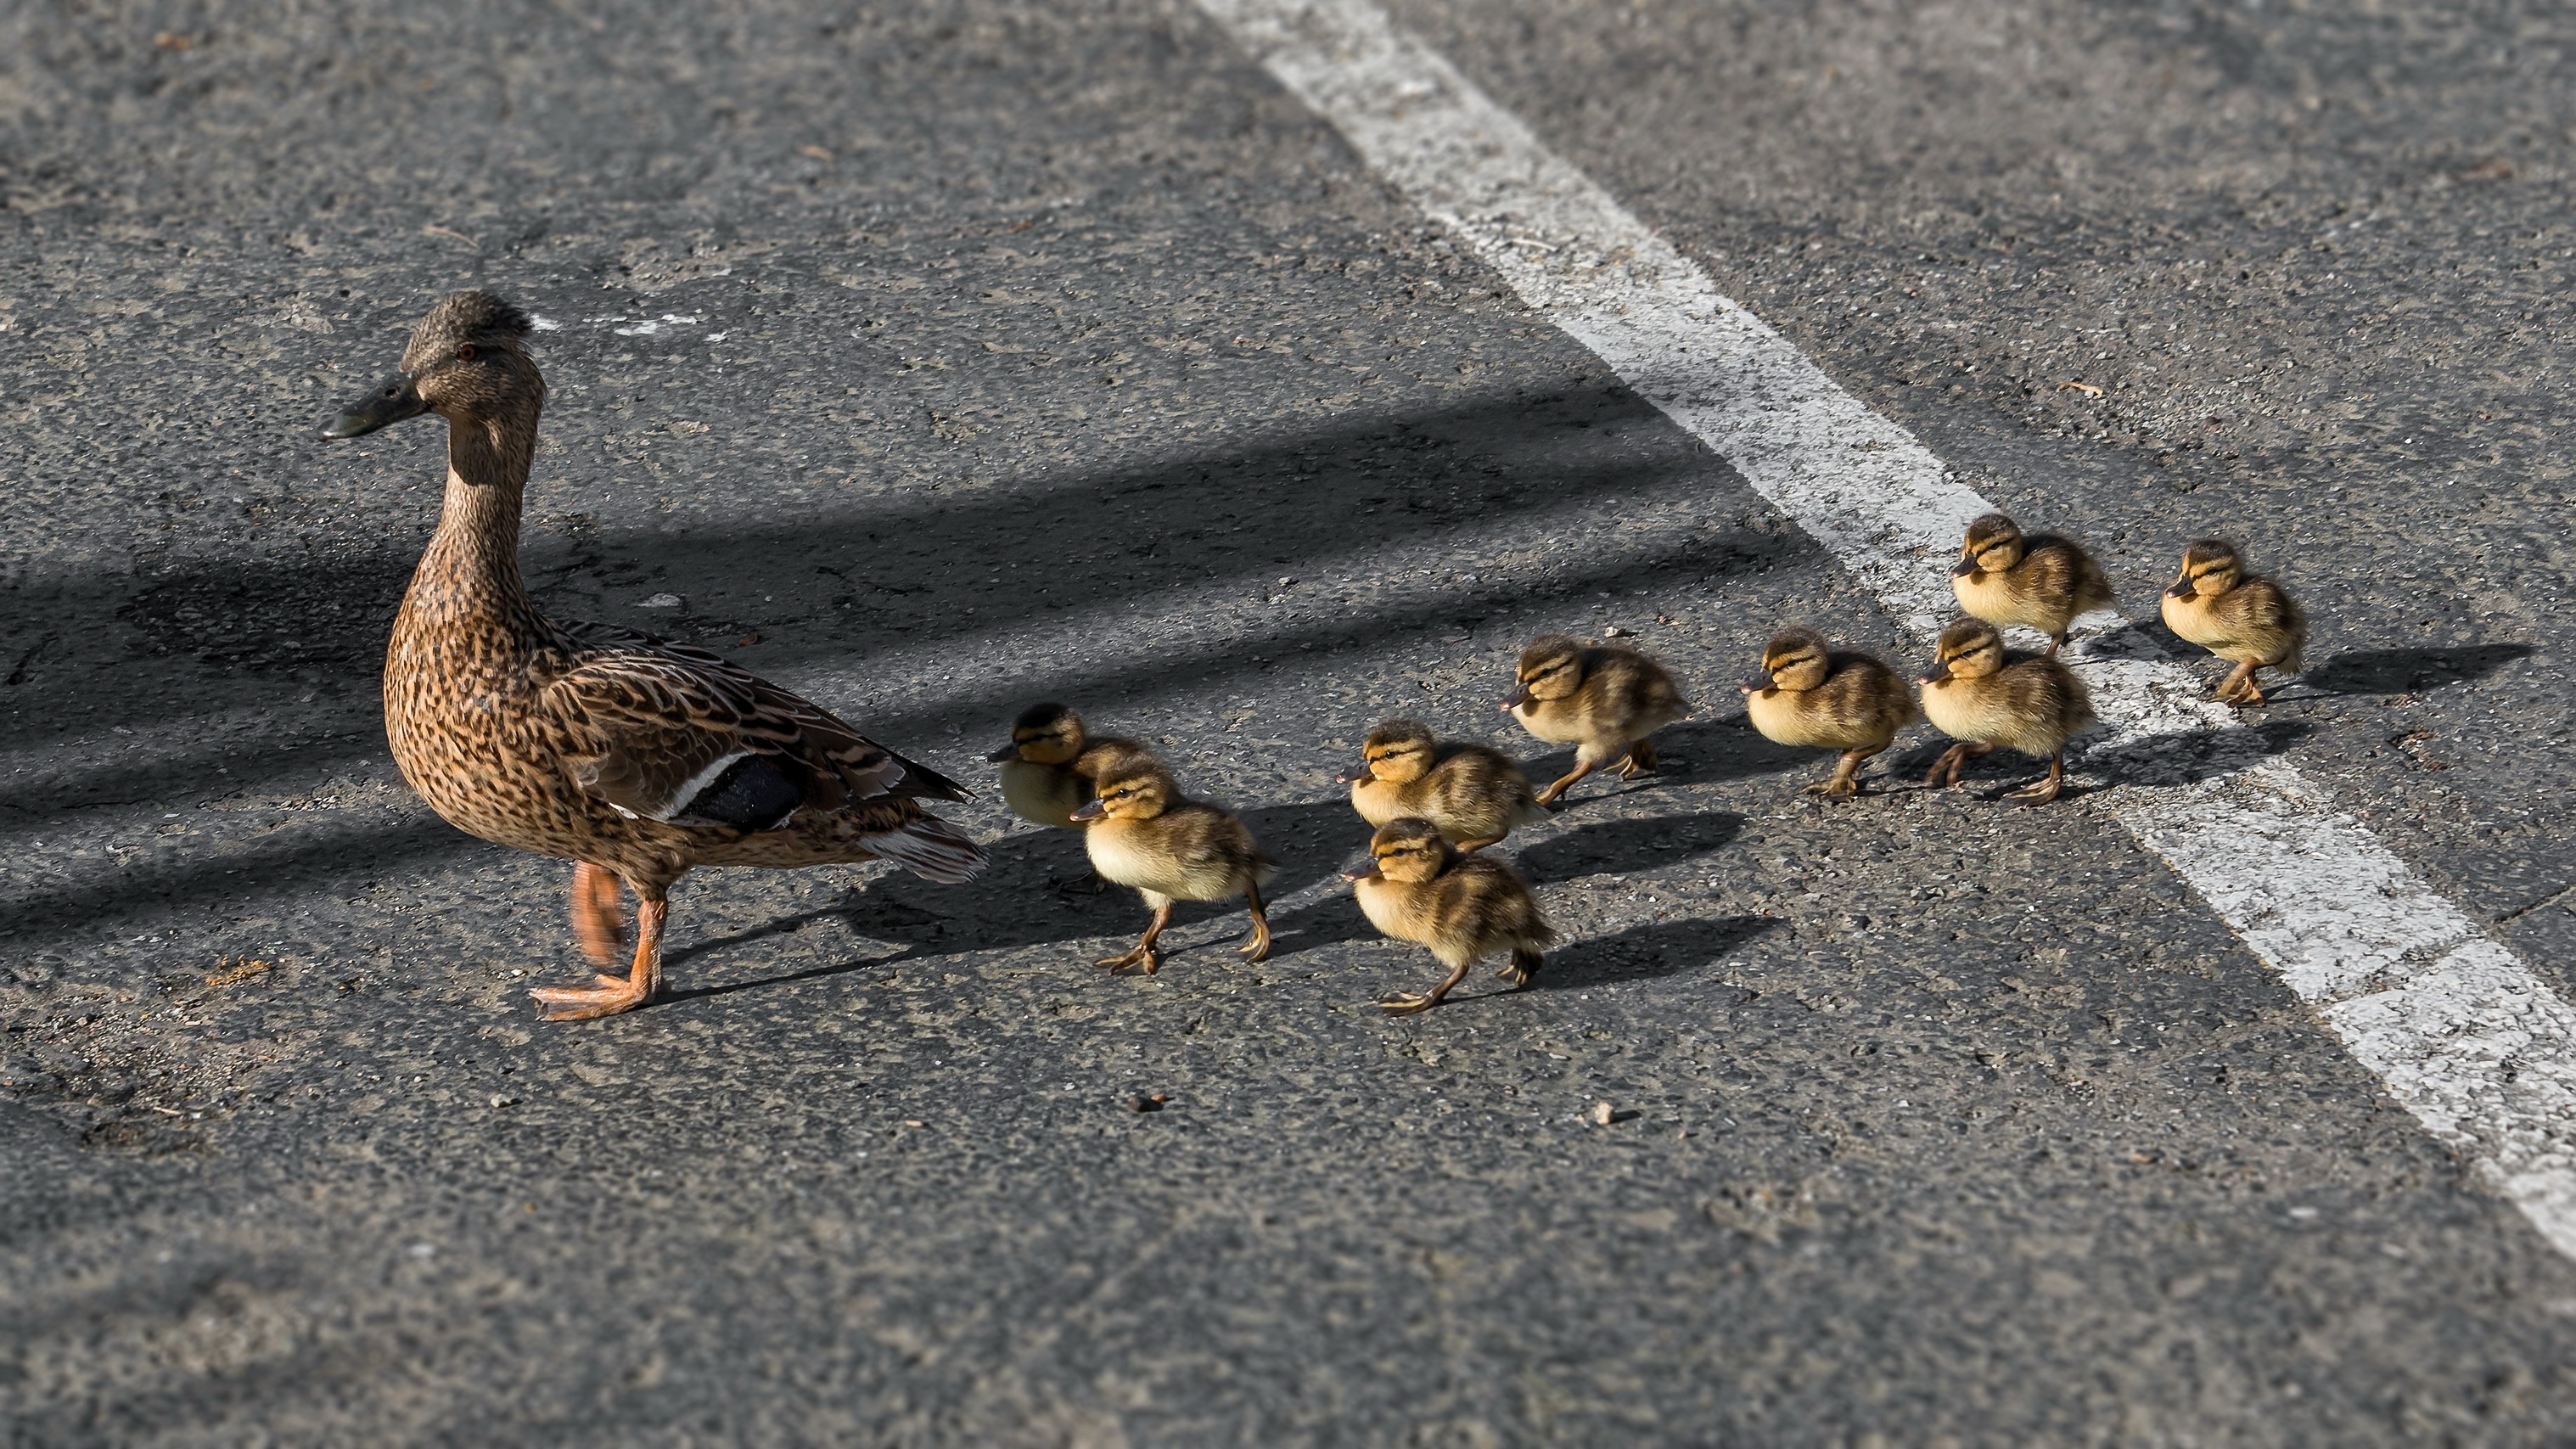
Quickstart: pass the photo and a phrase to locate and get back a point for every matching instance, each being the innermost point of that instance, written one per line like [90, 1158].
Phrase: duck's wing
[673, 733]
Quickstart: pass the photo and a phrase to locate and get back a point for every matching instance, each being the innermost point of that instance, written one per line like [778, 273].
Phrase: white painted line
[2458, 1029]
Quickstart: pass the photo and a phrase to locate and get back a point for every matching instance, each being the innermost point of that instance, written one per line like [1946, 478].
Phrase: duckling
[1416, 888]
[2041, 580]
[1145, 833]
[1983, 697]
[1052, 763]
[1601, 699]
[1809, 695]
[1474, 793]
[2249, 619]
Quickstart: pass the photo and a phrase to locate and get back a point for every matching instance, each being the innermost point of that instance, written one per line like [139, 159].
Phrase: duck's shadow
[2409, 671]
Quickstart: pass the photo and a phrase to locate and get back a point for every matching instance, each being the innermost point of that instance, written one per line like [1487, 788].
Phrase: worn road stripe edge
[2455, 1026]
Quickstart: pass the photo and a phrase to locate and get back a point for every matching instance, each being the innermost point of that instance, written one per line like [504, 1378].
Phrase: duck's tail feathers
[932, 849]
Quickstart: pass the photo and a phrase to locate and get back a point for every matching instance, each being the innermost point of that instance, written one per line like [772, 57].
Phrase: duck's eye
[465, 353]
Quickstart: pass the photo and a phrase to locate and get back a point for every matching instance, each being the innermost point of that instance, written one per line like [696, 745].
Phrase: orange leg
[596, 920]
[2045, 789]
[1846, 775]
[610, 995]
[1258, 948]
[1524, 966]
[1640, 760]
[1142, 957]
[1582, 767]
[1406, 1003]
[1945, 770]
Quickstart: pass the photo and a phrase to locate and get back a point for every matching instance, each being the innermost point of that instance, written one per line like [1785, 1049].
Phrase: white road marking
[2458, 1029]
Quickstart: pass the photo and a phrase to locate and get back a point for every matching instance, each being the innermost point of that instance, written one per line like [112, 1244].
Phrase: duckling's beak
[1091, 810]
[1361, 776]
[1964, 567]
[389, 401]
[1365, 870]
[1005, 754]
[1757, 683]
[2182, 589]
[1518, 697]
[1940, 674]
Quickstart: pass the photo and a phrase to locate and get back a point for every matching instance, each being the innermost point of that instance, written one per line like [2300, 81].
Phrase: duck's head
[1969, 649]
[1795, 659]
[466, 360]
[1399, 751]
[1135, 788]
[1550, 668]
[1407, 851]
[2210, 567]
[1044, 734]
[1994, 545]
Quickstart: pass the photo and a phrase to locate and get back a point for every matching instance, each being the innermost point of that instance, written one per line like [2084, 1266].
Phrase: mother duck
[632, 756]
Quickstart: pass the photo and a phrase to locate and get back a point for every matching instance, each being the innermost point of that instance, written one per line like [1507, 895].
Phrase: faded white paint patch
[2457, 1028]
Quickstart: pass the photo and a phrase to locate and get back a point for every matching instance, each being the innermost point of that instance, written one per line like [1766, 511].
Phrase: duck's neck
[472, 563]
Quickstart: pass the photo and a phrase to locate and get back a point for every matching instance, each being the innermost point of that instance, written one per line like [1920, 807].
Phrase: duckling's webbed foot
[1945, 770]
[1258, 948]
[1846, 780]
[2046, 788]
[1143, 959]
[609, 995]
[1406, 1003]
[1640, 760]
[1521, 969]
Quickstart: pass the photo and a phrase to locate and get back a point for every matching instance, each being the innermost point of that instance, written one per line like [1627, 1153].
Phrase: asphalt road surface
[939, 358]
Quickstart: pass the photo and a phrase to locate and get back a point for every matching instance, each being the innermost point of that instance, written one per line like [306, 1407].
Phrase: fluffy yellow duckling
[2249, 619]
[1601, 699]
[1051, 765]
[1809, 695]
[1474, 793]
[1416, 888]
[1145, 833]
[1983, 697]
[2041, 580]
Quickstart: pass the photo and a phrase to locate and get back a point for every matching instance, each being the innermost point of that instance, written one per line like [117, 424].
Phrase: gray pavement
[946, 357]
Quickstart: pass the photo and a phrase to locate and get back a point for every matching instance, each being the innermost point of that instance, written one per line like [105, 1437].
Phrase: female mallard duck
[1415, 888]
[1474, 793]
[2041, 580]
[1051, 765]
[1601, 699]
[1807, 694]
[1984, 697]
[2251, 620]
[1145, 833]
[634, 757]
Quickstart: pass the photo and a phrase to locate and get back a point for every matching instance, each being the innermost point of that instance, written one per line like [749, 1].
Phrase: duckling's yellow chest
[1792, 717]
[1138, 853]
[1556, 721]
[1380, 801]
[2006, 598]
[1041, 794]
[1394, 907]
[1969, 709]
[2200, 620]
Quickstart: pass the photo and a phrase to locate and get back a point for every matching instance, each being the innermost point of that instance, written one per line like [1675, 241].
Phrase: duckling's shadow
[2409, 671]
[2188, 757]
[1725, 748]
[1616, 847]
[1648, 952]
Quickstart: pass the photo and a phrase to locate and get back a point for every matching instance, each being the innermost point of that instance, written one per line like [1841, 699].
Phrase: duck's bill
[1361, 776]
[1090, 810]
[1366, 870]
[1519, 696]
[1939, 674]
[1756, 684]
[389, 401]
[1004, 755]
[2182, 589]
[1963, 568]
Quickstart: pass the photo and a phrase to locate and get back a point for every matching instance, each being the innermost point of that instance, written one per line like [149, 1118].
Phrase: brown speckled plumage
[2245, 618]
[1599, 698]
[1811, 694]
[639, 758]
[2040, 579]
[1983, 696]
[1474, 793]
[1417, 888]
